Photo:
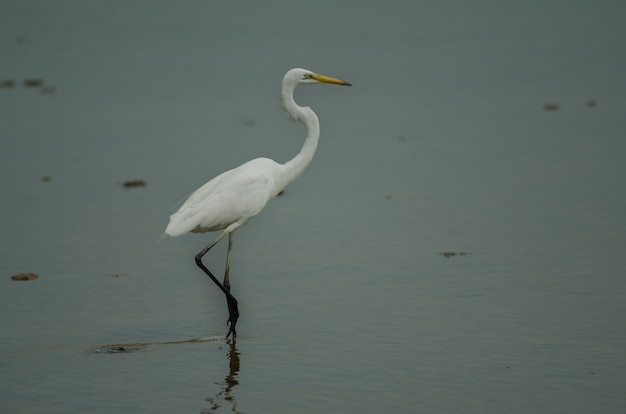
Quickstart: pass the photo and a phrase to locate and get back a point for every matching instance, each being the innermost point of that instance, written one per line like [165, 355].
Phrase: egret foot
[233, 315]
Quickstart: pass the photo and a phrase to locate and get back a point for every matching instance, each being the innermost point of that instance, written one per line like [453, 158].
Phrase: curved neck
[293, 168]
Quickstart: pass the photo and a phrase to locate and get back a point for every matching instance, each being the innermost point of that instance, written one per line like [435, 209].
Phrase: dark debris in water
[119, 349]
[23, 277]
[7, 83]
[449, 254]
[248, 122]
[134, 183]
[48, 90]
[33, 83]
[30, 83]
[135, 347]
[551, 107]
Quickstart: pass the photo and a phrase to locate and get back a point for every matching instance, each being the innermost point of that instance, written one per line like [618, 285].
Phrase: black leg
[227, 271]
[233, 310]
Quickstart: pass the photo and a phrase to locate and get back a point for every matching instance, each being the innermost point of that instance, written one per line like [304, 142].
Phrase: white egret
[235, 196]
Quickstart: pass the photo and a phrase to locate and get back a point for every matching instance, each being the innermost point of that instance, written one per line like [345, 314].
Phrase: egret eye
[308, 76]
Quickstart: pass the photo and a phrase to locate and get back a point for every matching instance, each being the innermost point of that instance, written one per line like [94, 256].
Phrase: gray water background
[492, 130]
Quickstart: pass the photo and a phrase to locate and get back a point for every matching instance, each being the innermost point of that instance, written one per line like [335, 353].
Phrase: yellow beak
[328, 79]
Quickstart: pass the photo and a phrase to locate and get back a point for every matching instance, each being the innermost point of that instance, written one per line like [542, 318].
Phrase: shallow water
[455, 246]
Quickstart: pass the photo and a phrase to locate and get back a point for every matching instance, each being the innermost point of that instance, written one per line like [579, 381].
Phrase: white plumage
[228, 200]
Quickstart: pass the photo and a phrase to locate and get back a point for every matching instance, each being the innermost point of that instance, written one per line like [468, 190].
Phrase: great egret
[235, 196]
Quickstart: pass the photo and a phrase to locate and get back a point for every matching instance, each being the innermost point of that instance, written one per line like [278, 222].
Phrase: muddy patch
[136, 347]
[23, 277]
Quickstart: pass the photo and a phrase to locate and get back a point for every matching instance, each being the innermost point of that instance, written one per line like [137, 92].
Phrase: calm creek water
[457, 244]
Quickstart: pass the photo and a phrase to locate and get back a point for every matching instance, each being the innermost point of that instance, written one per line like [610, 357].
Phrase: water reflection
[229, 383]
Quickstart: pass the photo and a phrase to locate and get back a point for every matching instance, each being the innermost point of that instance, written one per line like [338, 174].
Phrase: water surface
[349, 304]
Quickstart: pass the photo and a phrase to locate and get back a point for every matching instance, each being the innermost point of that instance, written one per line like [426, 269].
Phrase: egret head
[303, 76]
